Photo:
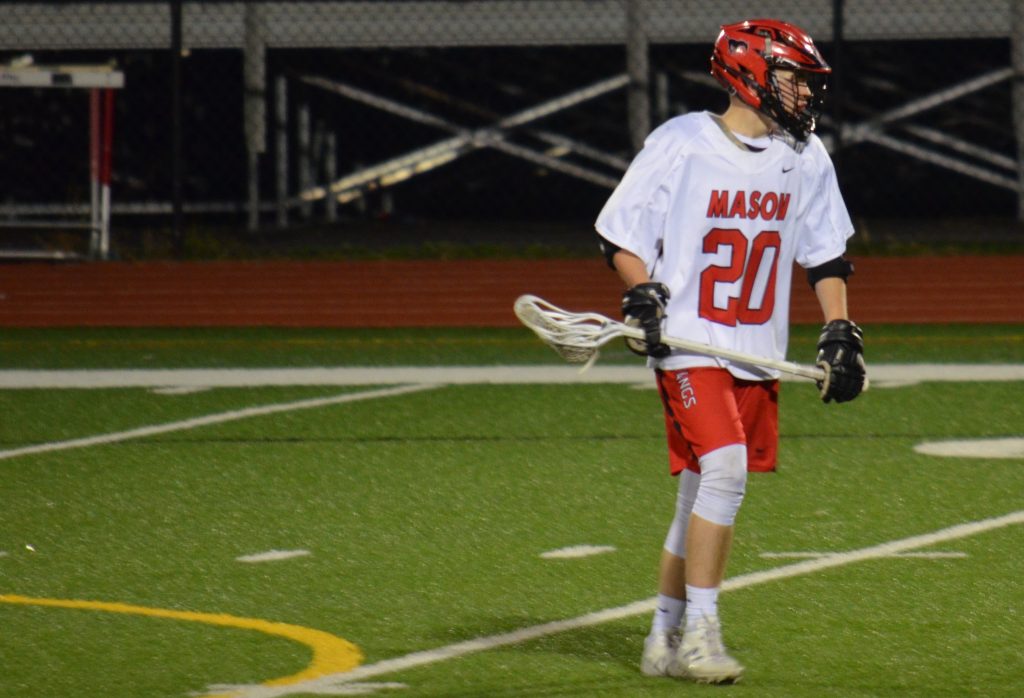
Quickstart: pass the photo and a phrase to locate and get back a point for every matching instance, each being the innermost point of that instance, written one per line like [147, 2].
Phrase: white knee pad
[675, 541]
[723, 482]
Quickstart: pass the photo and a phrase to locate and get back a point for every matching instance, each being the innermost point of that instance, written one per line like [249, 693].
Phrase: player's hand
[841, 354]
[643, 306]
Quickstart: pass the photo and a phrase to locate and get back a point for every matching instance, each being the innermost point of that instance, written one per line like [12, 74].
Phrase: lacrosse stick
[578, 337]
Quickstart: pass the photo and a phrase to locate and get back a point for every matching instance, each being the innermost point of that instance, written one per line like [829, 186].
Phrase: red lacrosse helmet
[744, 61]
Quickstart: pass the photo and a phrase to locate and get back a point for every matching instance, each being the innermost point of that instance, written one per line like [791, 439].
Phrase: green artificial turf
[425, 515]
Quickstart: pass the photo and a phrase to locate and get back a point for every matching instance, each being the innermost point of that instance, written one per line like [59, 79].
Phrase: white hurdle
[101, 81]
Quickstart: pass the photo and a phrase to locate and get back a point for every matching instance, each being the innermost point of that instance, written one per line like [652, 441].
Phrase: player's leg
[672, 570]
[710, 544]
[663, 639]
[702, 652]
[708, 421]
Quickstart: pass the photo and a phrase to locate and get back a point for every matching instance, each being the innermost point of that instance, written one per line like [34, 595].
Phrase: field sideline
[430, 491]
[882, 375]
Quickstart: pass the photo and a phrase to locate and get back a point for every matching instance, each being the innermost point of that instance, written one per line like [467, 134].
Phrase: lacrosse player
[704, 229]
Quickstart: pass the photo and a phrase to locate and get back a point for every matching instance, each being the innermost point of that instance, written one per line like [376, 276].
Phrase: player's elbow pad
[608, 249]
[839, 267]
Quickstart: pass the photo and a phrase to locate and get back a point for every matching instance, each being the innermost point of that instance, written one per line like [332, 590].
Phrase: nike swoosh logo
[786, 169]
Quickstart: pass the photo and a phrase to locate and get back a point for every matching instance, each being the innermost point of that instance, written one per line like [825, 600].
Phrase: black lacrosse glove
[841, 354]
[643, 306]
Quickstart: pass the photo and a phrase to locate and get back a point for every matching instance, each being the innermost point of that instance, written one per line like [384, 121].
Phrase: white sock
[668, 613]
[701, 602]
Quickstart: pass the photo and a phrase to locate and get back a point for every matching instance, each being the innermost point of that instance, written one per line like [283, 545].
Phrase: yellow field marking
[331, 654]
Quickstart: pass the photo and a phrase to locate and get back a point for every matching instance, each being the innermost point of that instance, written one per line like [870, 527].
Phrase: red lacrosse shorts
[708, 408]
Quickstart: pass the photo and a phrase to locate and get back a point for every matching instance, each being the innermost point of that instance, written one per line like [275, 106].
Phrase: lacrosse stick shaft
[813, 372]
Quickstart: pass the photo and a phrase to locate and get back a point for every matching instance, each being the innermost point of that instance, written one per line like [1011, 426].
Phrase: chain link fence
[503, 120]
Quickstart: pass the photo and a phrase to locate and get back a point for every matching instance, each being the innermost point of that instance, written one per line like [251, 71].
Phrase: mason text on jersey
[755, 204]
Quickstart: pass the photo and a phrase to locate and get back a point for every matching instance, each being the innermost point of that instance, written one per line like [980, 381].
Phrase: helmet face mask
[774, 68]
[795, 100]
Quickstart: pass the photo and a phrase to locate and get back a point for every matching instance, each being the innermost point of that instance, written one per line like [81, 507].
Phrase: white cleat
[701, 656]
[660, 654]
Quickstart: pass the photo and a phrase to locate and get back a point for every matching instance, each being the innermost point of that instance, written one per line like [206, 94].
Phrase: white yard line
[1010, 447]
[273, 556]
[575, 551]
[219, 418]
[937, 555]
[324, 684]
[881, 375]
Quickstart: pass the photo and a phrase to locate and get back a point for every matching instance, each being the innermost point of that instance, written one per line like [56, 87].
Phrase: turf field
[428, 533]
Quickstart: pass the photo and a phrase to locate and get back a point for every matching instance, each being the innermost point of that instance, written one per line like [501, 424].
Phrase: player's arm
[630, 268]
[643, 303]
[831, 293]
[841, 343]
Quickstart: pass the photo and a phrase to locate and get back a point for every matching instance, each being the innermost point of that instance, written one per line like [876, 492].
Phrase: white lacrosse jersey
[721, 226]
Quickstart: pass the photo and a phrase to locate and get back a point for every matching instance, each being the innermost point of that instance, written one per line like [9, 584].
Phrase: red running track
[974, 289]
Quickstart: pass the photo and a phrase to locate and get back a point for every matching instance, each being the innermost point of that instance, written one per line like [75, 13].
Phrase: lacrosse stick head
[577, 337]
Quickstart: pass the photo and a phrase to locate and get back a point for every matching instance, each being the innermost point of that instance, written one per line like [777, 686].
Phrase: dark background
[485, 197]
